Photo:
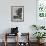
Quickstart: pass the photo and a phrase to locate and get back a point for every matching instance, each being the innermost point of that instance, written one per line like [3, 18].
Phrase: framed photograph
[17, 13]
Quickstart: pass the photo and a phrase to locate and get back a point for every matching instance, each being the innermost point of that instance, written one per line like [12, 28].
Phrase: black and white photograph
[17, 13]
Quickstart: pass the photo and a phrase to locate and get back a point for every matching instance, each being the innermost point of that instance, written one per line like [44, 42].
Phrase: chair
[25, 37]
[7, 35]
[14, 32]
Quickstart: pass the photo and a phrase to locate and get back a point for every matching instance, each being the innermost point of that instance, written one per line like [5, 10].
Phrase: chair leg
[5, 39]
[5, 43]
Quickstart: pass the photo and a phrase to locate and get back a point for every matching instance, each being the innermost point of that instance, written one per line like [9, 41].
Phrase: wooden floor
[13, 44]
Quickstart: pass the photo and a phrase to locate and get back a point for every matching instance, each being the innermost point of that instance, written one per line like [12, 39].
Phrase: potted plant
[35, 26]
[38, 27]
[39, 35]
[42, 27]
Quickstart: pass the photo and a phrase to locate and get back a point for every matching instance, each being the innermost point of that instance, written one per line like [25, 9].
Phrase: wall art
[17, 13]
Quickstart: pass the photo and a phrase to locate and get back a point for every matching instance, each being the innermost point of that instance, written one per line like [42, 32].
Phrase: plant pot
[40, 41]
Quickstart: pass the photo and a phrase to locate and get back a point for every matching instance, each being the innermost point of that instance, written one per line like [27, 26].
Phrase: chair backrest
[14, 30]
[24, 37]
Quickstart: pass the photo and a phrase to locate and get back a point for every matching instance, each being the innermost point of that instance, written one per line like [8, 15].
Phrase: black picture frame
[17, 13]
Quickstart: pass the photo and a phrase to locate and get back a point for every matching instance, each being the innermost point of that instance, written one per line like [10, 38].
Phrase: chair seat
[9, 34]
